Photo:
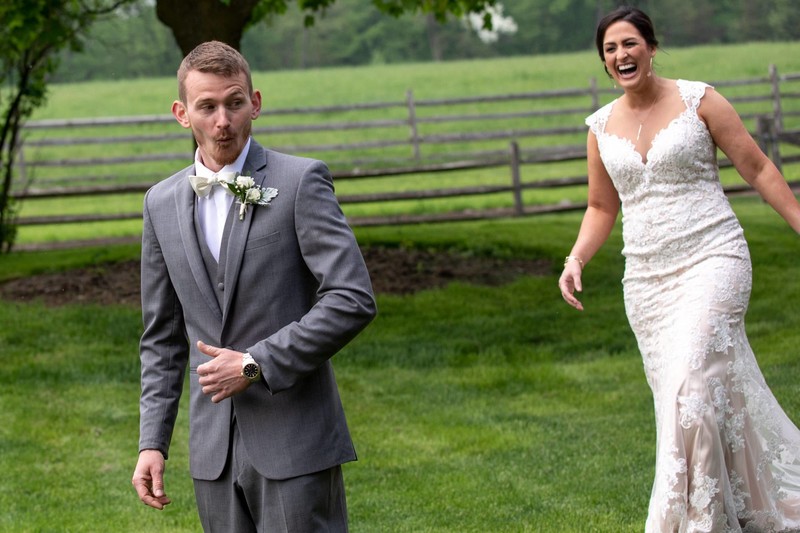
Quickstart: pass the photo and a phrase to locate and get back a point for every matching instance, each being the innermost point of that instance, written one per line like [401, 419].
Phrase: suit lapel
[255, 165]
[185, 205]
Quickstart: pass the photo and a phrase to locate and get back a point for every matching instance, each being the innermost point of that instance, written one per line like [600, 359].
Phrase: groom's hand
[148, 479]
[222, 376]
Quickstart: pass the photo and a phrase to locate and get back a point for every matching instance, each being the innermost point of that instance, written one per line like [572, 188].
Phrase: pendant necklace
[646, 115]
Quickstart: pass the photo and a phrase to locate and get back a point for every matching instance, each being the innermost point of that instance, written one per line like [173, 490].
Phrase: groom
[254, 300]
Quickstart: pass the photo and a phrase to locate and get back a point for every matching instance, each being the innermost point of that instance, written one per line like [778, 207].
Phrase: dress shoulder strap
[692, 92]
[597, 121]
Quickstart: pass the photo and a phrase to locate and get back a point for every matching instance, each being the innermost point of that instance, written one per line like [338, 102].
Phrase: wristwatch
[250, 369]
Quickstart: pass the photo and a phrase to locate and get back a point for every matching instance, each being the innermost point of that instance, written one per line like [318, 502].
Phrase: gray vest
[216, 270]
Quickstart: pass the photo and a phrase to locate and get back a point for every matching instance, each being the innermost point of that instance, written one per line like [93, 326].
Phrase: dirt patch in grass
[393, 271]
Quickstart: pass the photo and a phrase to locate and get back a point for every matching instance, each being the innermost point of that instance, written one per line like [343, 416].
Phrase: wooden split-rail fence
[395, 154]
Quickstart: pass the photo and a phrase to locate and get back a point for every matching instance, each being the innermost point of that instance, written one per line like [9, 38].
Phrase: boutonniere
[246, 191]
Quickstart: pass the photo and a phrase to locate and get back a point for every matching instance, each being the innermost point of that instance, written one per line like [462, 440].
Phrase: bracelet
[573, 258]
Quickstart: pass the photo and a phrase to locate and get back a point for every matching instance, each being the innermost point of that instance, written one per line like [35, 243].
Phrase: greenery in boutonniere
[246, 191]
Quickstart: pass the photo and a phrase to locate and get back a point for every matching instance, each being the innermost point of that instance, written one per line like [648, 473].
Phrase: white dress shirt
[212, 210]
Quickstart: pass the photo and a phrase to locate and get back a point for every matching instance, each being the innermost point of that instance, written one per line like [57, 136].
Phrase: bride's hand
[569, 282]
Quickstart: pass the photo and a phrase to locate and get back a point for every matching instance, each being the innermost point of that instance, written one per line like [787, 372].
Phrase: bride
[727, 457]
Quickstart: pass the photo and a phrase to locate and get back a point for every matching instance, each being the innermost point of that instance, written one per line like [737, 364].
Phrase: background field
[428, 80]
[325, 87]
[473, 409]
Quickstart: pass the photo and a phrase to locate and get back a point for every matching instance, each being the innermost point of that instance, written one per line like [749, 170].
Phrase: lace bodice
[674, 210]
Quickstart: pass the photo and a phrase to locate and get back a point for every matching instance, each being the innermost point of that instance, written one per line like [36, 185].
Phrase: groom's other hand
[148, 479]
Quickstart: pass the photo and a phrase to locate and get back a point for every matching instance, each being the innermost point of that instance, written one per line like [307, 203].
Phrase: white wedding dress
[728, 458]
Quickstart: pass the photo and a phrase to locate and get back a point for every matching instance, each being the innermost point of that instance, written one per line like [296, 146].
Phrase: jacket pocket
[263, 241]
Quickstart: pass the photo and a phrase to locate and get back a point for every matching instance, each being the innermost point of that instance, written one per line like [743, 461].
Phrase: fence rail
[380, 142]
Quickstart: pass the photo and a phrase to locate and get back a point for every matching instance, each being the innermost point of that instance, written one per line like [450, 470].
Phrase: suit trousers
[243, 501]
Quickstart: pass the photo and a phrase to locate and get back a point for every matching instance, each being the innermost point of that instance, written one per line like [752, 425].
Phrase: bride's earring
[650, 72]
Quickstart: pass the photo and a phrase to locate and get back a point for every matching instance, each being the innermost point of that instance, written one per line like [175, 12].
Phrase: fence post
[412, 124]
[776, 128]
[515, 178]
[777, 110]
[762, 134]
[768, 140]
[19, 164]
[594, 94]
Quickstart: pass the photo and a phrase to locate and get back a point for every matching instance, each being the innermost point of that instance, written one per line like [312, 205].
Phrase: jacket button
[221, 286]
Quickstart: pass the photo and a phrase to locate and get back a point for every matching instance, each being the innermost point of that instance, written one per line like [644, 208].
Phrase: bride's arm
[598, 221]
[731, 136]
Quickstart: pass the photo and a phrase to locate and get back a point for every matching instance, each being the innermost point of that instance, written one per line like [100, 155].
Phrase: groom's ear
[180, 114]
[255, 101]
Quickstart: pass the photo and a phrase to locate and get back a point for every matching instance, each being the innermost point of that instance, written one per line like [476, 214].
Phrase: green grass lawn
[473, 409]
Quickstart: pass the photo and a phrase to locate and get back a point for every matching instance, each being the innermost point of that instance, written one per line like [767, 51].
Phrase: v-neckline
[644, 159]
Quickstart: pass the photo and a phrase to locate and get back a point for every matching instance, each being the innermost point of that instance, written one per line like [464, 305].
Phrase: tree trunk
[196, 21]
[434, 37]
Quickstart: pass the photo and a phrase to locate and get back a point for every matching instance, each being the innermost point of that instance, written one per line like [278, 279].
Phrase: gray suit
[293, 290]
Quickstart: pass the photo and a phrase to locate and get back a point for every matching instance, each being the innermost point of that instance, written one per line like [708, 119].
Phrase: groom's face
[220, 111]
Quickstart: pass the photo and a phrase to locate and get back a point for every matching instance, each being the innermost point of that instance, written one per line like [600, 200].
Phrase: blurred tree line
[353, 32]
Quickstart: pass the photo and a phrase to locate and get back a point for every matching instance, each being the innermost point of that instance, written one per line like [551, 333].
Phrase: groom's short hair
[213, 57]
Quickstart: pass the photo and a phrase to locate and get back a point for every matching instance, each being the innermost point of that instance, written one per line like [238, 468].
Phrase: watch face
[250, 371]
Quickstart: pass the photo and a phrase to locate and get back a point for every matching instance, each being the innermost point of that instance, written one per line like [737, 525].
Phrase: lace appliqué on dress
[692, 408]
[706, 508]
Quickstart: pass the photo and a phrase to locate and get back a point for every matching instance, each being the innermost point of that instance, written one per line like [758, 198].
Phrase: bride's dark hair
[630, 14]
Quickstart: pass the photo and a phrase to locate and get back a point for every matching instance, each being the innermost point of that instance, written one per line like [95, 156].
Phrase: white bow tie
[202, 185]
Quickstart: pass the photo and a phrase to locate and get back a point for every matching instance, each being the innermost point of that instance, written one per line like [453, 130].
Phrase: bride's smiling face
[626, 54]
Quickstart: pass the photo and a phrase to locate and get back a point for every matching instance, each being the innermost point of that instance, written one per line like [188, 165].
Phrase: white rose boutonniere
[246, 191]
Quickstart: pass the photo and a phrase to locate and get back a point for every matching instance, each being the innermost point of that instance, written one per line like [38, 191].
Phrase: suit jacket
[295, 291]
